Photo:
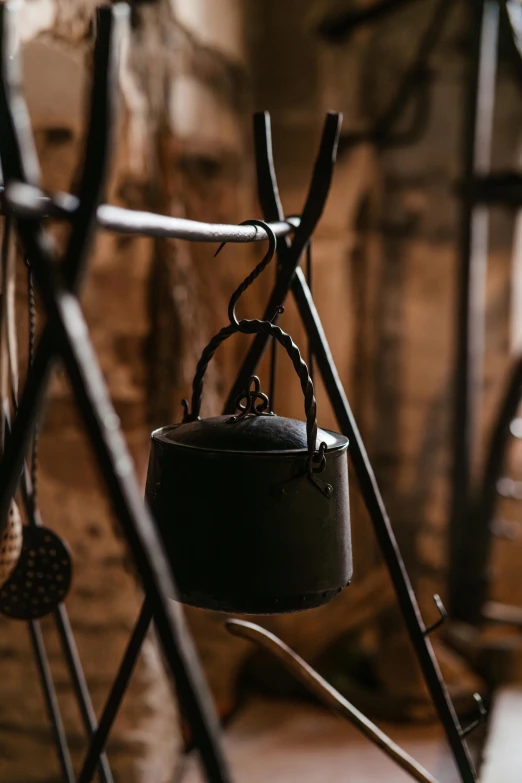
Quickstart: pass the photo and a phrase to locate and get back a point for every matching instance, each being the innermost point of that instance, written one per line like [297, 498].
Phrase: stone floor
[283, 741]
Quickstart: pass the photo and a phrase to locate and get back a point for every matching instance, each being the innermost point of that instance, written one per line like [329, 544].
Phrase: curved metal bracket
[443, 615]
[482, 716]
[327, 694]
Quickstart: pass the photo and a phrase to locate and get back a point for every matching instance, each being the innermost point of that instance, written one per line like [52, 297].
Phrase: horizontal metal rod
[327, 695]
[31, 202]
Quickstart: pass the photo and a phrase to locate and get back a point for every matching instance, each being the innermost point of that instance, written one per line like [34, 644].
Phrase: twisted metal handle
[316, 456]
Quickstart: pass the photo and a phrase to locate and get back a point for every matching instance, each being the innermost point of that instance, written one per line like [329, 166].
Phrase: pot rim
[159, 435]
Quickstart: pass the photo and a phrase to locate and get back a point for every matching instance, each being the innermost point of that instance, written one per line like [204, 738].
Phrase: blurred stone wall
[384, 265]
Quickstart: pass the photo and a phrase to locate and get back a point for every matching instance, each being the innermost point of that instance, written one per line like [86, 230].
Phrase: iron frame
[66, 338]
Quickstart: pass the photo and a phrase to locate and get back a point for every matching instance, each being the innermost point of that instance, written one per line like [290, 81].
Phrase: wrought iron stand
[66, 338]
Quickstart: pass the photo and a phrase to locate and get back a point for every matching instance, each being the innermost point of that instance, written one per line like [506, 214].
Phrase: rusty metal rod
[31, 202]
[328, 695]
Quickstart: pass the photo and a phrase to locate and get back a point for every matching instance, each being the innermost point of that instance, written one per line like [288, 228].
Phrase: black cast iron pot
[253, 508]
[247, 526]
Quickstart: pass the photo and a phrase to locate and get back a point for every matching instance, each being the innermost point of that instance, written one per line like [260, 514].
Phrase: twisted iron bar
[30, 358]
[271, 330]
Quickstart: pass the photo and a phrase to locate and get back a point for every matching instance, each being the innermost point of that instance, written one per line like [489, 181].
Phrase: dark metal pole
[471, 296]
[51, 701]
[81, 689]
[118, 689]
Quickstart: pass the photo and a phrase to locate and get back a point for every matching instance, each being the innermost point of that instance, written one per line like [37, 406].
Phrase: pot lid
[268, 433]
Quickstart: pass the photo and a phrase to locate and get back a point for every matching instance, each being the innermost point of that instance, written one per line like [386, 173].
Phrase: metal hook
[482, 716]
[443, 615]
[290, 254]
[247, 282]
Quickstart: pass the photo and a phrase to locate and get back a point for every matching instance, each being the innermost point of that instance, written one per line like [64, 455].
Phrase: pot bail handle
[316, 461]
[316, 456]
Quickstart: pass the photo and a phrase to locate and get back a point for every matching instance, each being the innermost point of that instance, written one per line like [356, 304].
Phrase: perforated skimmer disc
[41, 579]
